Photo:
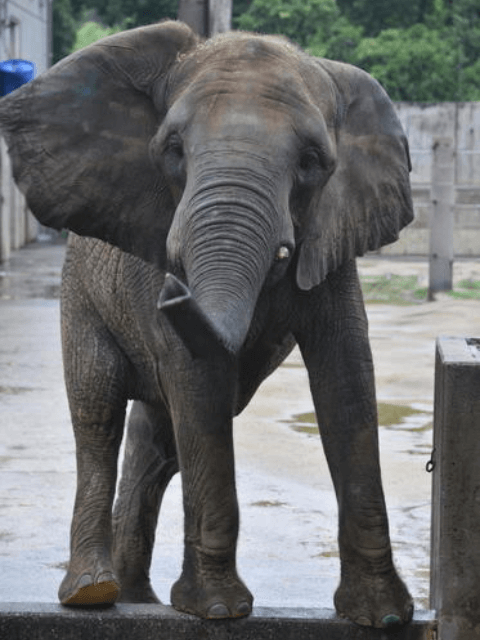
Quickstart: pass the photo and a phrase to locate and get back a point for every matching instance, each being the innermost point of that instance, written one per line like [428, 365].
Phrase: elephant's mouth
[198, 333]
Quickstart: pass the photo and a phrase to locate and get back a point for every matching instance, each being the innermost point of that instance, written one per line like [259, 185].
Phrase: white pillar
[6, 186]
[442, 220]
[220, 16]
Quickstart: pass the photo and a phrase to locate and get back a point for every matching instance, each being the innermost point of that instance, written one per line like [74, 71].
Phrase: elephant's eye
[174, 147]
[310, 167]
[309, 159]
[316, 163]
[174, 159]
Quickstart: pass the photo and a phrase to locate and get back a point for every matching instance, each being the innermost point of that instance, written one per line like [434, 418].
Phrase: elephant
[218, 193]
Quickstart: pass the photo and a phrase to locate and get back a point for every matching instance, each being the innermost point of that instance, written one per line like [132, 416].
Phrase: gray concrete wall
[423, 124]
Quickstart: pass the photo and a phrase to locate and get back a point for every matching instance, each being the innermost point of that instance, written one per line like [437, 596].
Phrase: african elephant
[235, 181]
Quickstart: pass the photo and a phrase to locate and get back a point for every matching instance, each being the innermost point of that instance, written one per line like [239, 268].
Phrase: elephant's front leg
[339, 362]
[95, 374]
[202, 404]
[90, 578]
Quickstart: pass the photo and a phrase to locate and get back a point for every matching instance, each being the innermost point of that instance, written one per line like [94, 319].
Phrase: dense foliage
[420, 50]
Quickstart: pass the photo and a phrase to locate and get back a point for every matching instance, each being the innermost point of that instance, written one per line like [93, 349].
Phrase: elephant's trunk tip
[189, 321]
[173, 293]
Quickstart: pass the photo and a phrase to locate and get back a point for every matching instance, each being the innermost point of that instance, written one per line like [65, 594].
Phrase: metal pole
[441, 226]
[220, 16]
[195, 14]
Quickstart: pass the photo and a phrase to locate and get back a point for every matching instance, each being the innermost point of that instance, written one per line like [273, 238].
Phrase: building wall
[25, 34]
[423, 123]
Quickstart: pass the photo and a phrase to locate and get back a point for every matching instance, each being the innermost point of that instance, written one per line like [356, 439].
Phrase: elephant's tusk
[283, 253]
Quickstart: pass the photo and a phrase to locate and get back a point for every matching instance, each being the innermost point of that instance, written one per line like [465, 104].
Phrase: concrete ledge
[38, 621]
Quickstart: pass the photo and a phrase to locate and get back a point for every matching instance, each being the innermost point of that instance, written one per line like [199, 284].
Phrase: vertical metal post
[455, 545]
[195, 14]
[441, 225]
[220, 16]
[206, 17]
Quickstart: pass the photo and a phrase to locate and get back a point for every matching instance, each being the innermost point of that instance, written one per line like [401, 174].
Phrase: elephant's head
[228, 163]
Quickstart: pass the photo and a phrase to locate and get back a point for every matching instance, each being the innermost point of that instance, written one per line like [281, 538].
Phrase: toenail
[365, 622]
[390, 620]
[85, 581]
[243, 608]
[218, 610]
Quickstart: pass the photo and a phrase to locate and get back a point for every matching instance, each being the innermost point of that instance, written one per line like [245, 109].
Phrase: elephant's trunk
[195, 329]
[224, 239]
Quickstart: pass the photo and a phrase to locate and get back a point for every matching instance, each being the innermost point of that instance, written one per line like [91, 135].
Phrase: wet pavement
[287, 551]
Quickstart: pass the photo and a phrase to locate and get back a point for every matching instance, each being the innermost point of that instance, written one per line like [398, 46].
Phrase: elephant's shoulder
[95, 256]
[108, 276]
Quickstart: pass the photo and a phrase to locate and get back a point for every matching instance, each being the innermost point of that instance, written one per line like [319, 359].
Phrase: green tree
[138, 12]
[340, 43]
[377, 15]
[90, 32]
[416, 64]
[299, 20]
[63, 29]
[239, 7]
[469, 85]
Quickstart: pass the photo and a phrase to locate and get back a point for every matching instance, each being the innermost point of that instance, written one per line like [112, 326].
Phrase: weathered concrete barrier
[455, 560]
[158, 622]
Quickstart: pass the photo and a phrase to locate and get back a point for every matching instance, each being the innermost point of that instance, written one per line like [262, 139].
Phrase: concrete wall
[24, 33]
[423, 123]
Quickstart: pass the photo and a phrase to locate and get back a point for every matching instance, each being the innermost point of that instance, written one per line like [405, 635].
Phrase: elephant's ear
[367, 200]
[79, 138]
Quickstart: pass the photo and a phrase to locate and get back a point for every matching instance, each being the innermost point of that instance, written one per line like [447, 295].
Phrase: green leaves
[63, 29]
[420, 50]
[91, 32]
[414, 64]
[299, 20]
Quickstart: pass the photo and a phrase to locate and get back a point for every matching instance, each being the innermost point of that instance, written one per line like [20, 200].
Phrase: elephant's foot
[374, 600]
[141, 593]
[213, 590]
[99, 588]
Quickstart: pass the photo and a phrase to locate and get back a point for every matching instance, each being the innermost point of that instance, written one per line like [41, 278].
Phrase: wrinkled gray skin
[235, 181]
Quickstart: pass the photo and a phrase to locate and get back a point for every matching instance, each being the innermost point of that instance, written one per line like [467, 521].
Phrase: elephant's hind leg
[149, 464]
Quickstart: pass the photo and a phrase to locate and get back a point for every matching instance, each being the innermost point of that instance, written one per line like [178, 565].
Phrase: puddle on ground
[14, 391]
[402, 417]
[390, 415]
[63, 566]
[328, 554]
[268, 503]
[6, 536]
[304, 423]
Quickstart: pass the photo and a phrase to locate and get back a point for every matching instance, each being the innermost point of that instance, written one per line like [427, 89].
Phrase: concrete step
[38, 621]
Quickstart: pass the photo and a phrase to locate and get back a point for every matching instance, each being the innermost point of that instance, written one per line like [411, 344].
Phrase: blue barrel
[14, 73]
